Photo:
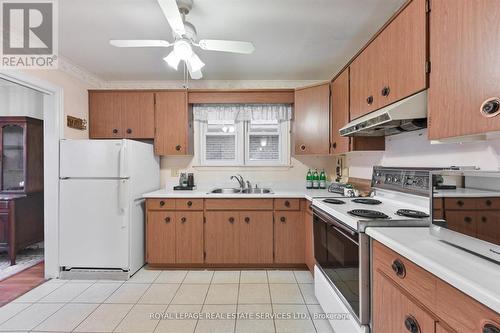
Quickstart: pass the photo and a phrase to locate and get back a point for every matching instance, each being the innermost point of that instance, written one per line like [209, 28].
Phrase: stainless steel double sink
[241, 191]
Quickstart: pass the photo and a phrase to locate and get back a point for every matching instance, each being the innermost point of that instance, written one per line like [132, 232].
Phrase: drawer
[413, 279]
[488, 203]
[160, 204]
[287, 204]
[239, 204]
[189, 204]
[460, 203]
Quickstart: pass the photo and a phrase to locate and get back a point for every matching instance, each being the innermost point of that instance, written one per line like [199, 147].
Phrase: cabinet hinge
[427, 6]
[427, 67]
[204, 219]
[204, 255]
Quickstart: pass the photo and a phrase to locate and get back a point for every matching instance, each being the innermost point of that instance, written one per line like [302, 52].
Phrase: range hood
[409, 114]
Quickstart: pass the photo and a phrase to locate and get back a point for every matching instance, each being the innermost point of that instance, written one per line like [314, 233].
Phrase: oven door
[337, 253]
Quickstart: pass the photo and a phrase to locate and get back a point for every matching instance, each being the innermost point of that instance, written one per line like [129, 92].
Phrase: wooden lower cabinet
[160, 237]
[222, 237]
[189, 237]
[256, 237]
[394, 311]
[289, 237]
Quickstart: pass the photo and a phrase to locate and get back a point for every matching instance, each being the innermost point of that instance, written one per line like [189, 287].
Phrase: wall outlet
[174, 172]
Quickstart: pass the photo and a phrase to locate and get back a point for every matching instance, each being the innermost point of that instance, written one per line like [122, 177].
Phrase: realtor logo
[29, 34]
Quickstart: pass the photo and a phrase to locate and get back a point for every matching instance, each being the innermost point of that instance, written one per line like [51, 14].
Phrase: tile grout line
[168, 305]
[237, 300]
[271, 301]
[204, 300]
[305, 303]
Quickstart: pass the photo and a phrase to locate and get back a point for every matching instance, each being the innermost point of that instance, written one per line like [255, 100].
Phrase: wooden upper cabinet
[174, 124]
[117, 115]
[393, 66]
[340, 112]
[311, 129]
[465, 70]
[137, 114]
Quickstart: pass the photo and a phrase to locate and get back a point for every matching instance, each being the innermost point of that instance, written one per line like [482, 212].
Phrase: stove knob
[396, 179]
[389, 179]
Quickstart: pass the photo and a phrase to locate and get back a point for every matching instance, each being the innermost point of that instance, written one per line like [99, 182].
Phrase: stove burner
[334, 201]
[367, 201]
[371, 214]
[412, 213]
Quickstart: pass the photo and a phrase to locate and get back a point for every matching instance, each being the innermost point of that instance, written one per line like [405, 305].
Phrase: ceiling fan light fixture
[172, 60]
[183, 49]
[195, 62]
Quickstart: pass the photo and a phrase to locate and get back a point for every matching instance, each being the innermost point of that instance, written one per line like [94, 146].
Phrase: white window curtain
[222, 113]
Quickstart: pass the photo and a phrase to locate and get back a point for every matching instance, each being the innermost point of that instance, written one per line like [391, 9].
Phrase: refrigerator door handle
[122, 163]
[122, 200]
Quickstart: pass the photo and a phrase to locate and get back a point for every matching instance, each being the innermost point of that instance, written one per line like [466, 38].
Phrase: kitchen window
[244, 135]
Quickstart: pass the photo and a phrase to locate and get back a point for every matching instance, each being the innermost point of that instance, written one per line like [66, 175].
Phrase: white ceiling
[294, 39]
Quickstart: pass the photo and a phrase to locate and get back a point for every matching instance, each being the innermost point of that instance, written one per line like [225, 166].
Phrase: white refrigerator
[101, 206]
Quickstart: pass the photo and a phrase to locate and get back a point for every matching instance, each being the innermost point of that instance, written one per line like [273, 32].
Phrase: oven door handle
[343, 233]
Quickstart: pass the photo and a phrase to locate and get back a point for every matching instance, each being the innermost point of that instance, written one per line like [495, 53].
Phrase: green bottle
[309, 179]
[315, 179]
[322, 179]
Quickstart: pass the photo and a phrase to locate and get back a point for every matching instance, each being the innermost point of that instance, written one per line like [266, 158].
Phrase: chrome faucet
[240, 180]
[249, 185]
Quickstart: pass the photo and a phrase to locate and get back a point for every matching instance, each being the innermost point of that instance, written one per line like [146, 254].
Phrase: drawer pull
[399, 268]
[247, 219]
[369, 100]
[129, 131]
[468, 219]
[460, 203]
[334, 145]
[115, 131]
[287, 203]
[490, 107]
[302, 147]
[484, 219]
[162, 203]
[411, 325]
[189, 203]
[488, 203]
[385, 91]
[183, 220]
[490, 328]
[178, 147]
[283, 219]
[231, 220]
[167, 219]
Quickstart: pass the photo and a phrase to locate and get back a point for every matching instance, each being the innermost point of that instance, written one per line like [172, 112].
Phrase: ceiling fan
[185, 38]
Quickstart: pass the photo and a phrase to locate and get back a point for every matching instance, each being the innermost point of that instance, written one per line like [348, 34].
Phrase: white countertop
[204, 193]
[477, 277]
[465, 193]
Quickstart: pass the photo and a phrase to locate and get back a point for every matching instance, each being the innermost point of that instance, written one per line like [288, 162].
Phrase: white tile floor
[110, 306]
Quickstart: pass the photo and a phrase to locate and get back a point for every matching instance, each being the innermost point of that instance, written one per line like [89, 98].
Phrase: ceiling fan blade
[139, 43]
[174, 18]
[227, 46]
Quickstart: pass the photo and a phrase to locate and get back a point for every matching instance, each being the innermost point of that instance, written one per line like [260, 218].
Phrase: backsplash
[415, 150]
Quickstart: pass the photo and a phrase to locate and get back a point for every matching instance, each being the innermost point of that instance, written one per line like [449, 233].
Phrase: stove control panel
[410, 180]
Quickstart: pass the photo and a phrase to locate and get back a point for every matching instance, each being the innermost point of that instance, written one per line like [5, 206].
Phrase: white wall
[413, 149]
[16, 100]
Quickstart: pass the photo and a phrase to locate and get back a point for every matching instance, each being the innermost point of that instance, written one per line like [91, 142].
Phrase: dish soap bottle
[309, 178]
[315, 179]
[322, 179]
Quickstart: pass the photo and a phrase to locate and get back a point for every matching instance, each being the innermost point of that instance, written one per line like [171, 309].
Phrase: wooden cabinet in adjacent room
[393, 66]
[464, 94]
[311, 125]
[121, 114]
[174, 124]
[289, 238]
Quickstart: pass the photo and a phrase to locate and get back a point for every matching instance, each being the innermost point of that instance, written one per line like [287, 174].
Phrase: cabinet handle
[385, 91]
[467, 219]
[302, 147]
[183, 220]
[189, 203]
[287, 203]
[283, 219]
[491, 328]
[231, 220]
[178, 147]
[399, 268]
[411, 324]
[460, 203]
[162, 203]
[167, 219]
[129, 131]
[247, 219]
[484, 219]
[488, 203]
[369, 100]
[115, 131]
[334, 145]
[490, 107]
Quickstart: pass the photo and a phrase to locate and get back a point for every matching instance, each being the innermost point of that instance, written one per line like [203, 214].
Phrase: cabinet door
[488, 226]
[189, 237]
[256, 237]
[173, 124]
[311, 124]
[464, 53]
[137, 111]
[393, 310]
[105, 121]
[340, 112]
[221, 237]
[4, 228]
[463, 221]
[289, 237]
[403, 55]
[160, 235]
